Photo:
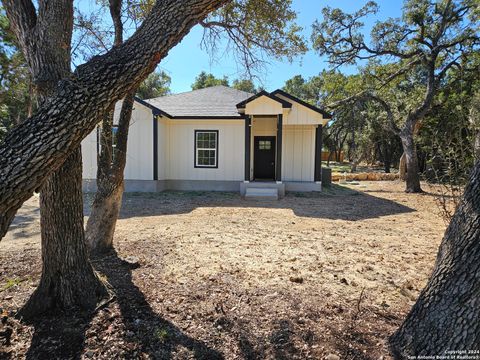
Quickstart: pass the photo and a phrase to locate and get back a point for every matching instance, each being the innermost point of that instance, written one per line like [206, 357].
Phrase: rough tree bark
[110, 180]
[34, 150]
[402, 167]
[66, 273]
[68, 280]
[412, 176]
[445, 316]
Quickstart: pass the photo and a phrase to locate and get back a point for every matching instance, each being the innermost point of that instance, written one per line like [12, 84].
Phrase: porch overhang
[263, 103]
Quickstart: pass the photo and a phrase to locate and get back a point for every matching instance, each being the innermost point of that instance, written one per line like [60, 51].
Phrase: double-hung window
[206, 148]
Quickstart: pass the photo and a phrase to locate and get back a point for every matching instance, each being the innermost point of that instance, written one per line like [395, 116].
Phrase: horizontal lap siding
[298, 157]
[181, 150]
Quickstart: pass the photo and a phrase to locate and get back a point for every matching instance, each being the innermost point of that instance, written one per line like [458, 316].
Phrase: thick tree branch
[32, 151]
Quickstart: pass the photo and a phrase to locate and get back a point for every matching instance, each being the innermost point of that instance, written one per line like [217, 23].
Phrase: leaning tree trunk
[111, 163]
[447, 312]
[412, 176]
[110, 181]
[67, 272]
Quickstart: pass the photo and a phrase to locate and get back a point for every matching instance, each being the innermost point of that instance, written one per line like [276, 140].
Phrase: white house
[219, 138]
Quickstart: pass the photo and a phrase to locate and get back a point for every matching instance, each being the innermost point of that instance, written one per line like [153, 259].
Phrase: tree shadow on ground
[338, 203]
[58, 336]
[156, 336]
[281, 339]
[21, 226]
[63, 335]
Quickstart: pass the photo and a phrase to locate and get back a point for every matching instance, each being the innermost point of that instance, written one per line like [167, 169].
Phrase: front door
[264, 158]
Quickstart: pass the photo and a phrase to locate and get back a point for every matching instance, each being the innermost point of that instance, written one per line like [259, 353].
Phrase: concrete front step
[255, 193]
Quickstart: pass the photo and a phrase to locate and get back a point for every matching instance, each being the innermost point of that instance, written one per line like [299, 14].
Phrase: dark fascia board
[324, 113]
[285, 104]
[155, 110]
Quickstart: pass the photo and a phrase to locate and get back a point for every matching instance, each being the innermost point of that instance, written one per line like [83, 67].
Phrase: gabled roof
[212, 102]
[155, 110]
[325, 114]
[285, 104]
[219, 102]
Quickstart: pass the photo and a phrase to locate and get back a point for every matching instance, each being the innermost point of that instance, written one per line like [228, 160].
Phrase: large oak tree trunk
[68, 280]
[412, 176]
[447, 312]
[110, 181]
[66, 269]
[34, 150]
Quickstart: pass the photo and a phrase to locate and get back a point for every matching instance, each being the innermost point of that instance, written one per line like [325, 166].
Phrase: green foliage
[12, 282]
[14, 80]
[301, 88]
[161, 334]
[410, 61]
[245, 85]
[204, 80]
[358, 128]
[155, 85]
[447, 135]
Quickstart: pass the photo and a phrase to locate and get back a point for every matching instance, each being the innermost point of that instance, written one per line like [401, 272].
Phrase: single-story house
[219, 138]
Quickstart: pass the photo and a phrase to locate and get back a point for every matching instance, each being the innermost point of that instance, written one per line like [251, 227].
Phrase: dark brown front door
[264, 158]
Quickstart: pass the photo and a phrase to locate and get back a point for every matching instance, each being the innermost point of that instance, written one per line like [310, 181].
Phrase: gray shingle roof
[212, 101]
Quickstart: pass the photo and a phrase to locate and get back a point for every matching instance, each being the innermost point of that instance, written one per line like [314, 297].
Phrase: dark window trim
[195, 151]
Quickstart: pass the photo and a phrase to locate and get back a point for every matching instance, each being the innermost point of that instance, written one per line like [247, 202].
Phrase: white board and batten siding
[179, 147]
[263, 106]
[300, 115]
[298, 156]
[139, 165]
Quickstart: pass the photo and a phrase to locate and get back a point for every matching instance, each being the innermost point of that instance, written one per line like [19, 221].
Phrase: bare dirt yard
[304, 277]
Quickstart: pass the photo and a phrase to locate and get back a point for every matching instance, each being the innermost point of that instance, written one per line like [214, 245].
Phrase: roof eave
[285, 104]
[325, 114]
[155, 110]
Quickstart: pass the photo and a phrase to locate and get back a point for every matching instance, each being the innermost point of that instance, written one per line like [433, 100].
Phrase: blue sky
[187, 59]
